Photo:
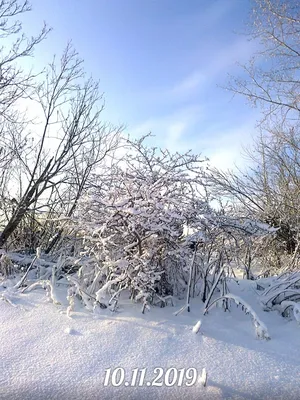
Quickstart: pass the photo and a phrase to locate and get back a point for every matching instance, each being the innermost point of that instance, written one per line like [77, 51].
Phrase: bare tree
[70, 140]
[267, 191]
[270, 188]
[272, 75]
[14, 82]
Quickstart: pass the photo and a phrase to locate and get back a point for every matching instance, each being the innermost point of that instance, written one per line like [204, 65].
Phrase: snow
[46, 355]
[197, 327]
[70, 331]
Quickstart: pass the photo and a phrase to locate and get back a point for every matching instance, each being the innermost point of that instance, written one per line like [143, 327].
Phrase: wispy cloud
[211, 68]
[176, 130]
[187, 110]
[222, 143]
[189, 83]
[171, 130]
[225, 147]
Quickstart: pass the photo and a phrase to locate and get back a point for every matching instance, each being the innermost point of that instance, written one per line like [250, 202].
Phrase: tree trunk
[12, 224]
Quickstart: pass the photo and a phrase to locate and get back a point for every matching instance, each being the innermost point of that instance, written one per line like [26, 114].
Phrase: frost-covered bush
[283, 294]
[132, 224]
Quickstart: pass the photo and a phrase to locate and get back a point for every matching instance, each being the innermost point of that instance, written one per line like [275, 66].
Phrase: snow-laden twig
[260, 328]
[285, 283]
[295, 307]
[71, 300]
[284, 289]
[7, 296]
[191, 273]
[22, 280]
[181, 310]
[163, 300]
[37, 256]
[87, 298]
[213, 288]
[7, 300]
[48, 286]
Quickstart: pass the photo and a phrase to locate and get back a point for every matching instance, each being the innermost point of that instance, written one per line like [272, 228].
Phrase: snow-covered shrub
[283, 294]
[220, 243]
[132, 226]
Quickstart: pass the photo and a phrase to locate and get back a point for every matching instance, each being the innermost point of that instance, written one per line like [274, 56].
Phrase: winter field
[47, 355]
[138, 260]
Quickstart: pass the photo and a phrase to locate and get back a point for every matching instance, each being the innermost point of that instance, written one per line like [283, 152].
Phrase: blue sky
[159, 63]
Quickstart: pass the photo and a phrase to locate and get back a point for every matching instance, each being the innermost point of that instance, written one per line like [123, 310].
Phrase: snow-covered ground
[46, 355]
